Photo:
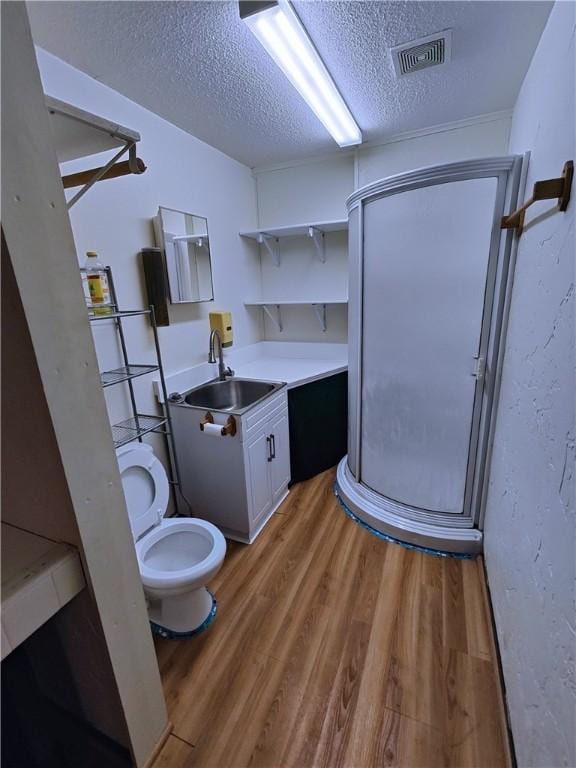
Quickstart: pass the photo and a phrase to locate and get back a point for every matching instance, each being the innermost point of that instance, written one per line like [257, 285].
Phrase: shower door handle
[480, 369]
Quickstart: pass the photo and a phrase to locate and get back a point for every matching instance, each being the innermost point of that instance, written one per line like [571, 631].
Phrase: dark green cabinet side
[318, 414]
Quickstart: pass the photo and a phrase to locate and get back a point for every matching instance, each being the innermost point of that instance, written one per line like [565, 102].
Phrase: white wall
[114, 219]
[529, 526]
[307, 192]
[317, 191]
[486, 136]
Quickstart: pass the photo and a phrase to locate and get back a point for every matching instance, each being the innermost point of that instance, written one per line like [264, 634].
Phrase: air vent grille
[421, 54]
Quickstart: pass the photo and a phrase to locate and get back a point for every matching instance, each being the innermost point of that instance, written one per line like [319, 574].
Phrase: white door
[426, 255]
[280, 454]
[258, 452]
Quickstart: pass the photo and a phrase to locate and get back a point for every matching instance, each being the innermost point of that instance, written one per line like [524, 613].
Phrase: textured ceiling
[198, 66]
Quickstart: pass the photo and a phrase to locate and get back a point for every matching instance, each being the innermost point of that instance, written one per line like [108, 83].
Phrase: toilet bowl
[178, 556]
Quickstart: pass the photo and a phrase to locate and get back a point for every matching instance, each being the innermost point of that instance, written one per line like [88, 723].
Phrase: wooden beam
[37, 230]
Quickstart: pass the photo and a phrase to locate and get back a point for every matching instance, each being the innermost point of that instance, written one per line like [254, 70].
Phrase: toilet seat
[207, 558]
[146, 486]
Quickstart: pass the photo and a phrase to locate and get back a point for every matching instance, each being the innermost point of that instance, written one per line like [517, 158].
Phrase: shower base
[388, 517]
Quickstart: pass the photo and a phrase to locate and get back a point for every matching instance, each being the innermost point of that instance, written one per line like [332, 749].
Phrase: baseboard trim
[495, 653]
[159, 745]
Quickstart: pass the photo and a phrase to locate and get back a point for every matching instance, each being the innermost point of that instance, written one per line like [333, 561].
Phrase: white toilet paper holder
[228, 429]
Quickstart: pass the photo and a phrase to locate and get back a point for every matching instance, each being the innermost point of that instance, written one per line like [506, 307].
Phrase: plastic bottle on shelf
[86, 290]
[98, 287]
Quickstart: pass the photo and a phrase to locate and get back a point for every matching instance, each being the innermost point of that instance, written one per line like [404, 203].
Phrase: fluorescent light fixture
[280, 31]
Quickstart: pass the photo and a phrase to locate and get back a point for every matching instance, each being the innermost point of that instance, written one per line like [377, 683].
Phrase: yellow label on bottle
[96, 289]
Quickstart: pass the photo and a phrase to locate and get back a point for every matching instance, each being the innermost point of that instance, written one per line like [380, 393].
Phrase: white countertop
[292, 362]
[294, 371]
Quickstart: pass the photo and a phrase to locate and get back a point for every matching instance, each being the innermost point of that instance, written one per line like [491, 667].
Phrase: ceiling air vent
[421, 54]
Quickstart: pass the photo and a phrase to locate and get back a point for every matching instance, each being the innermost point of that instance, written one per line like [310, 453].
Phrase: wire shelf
[120, 313]
[100, 310]
[133, 428]
[125, 373]
[140, 424]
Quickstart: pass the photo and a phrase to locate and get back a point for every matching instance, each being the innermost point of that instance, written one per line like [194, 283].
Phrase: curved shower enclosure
[430, 280]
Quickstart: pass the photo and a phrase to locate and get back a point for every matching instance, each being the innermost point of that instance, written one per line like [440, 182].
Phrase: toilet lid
[146, 487]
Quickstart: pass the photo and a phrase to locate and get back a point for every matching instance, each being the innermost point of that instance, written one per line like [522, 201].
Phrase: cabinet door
[259, 476]
[280, 448]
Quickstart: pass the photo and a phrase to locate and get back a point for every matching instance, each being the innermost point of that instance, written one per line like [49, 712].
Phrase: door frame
[419, 526]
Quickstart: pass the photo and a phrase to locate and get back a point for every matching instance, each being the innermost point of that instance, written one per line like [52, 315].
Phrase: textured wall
[530, 520]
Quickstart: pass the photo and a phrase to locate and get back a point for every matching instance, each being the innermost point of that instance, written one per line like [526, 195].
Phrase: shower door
[426, 258]
[430, 286]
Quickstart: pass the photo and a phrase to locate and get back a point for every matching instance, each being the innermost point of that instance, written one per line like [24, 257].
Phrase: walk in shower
[430, 281]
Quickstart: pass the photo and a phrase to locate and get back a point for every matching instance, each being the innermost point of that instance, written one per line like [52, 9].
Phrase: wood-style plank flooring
[333, 648]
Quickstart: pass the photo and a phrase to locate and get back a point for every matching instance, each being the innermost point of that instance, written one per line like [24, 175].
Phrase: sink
[230, 395]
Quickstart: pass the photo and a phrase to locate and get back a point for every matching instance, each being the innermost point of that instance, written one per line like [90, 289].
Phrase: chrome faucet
[223, 370]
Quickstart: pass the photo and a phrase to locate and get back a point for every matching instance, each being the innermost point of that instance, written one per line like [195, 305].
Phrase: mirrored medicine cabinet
[184, 240]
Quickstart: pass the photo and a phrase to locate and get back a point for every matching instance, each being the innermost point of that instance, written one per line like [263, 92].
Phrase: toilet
[178, 556]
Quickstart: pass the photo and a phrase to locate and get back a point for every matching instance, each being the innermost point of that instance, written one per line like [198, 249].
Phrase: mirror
[186, 245]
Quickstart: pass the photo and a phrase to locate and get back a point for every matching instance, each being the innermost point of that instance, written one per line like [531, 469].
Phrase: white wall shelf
[39, 576]
[270, 237]
[80, 134]
[273, 308]
[77, 133]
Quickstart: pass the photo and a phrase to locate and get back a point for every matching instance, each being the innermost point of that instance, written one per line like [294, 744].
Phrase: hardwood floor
[333, 648]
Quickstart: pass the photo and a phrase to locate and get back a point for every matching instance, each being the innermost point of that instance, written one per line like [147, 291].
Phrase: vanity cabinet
[235, 481]
[268, 464]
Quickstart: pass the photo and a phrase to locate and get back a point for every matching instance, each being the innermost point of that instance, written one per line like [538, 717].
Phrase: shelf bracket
[317, 236]
[320, 310]
[111, 170]
[275, 317]
[273, 249]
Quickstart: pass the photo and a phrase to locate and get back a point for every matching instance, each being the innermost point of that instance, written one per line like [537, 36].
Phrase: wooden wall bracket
[208, 419]
[228, 429]
[548, 189]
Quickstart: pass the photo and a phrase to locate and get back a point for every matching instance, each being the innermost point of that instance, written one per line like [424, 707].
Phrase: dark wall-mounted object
[318, 418]
[156, 283]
